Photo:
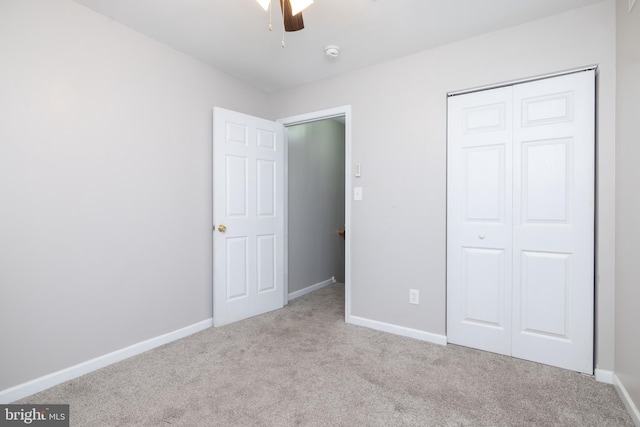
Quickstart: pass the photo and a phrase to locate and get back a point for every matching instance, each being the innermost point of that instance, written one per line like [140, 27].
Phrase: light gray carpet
[303, 365]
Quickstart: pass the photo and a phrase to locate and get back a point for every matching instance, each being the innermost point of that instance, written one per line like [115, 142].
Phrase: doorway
[318, 202]
[250, 214]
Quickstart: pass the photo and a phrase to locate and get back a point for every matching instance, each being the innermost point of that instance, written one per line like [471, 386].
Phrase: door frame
[342, 111]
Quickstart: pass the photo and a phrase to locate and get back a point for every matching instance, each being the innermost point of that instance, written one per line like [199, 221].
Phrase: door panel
[248, 216]
[484, 287]
[267, 263]
[236, 186]
[237, 266]
[553, 233]
[266, 190]
[547, 109]
[484, 184]
[545, 285]
[266, 139]
[479, 221]
[547, 181]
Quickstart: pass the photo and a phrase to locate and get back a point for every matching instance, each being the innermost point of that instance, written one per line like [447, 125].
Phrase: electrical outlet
[414, 296]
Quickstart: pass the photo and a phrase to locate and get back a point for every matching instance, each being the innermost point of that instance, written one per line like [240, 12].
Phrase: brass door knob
[222, 228]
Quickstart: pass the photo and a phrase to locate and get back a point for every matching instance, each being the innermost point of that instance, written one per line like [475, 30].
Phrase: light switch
[358, 172]
[357, 193]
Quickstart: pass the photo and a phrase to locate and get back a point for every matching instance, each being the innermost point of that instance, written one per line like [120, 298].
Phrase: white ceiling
[232, 35]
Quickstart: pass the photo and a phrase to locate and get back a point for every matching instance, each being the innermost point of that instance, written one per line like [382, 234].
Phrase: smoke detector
[332, 51]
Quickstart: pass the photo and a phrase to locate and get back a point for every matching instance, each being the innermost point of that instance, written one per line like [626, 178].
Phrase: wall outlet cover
[414, 296]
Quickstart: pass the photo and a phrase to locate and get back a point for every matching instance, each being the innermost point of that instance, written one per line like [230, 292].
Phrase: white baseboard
[34, 386]
[626, 399]
[603, 376]
[309, 289]
[398, 330]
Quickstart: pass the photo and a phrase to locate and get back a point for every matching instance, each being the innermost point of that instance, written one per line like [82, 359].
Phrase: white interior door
[248, 216]
[520, 257]
[479, 223]
[553, 215]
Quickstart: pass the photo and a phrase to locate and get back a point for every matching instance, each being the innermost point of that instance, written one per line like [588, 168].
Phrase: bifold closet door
[479, 220]
[553, 218]
[520, 222]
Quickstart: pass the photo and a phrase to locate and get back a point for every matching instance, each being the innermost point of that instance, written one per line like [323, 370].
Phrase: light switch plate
[357, 193]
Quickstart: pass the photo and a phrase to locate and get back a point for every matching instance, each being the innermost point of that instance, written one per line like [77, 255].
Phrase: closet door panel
[553, 221]
[479, 221]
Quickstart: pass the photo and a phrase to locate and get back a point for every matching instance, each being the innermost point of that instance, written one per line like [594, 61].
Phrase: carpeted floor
[303, 365]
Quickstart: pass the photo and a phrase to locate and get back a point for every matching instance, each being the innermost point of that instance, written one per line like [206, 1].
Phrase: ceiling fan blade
[291, 22]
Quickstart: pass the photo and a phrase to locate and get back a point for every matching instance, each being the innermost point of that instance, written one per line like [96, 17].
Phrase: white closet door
[553, 215]
[520, 220]
[479, 223]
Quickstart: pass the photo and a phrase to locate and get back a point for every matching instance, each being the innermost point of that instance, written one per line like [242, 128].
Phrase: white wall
[105, 186]
[627, 350]
[399, 137]
[316, 156]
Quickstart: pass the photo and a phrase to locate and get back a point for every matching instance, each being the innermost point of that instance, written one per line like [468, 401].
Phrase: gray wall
[627, 350]
[105, 186]
[399, 137]
[316, 202]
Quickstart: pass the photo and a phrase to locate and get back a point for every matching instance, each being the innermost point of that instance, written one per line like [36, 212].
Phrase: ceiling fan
[291, 12]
